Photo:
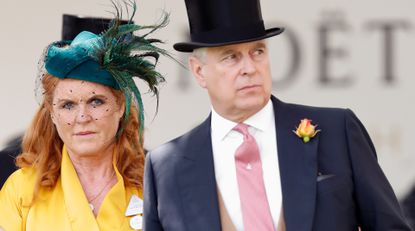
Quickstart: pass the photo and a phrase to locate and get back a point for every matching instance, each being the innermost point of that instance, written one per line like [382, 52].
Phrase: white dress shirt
[225, 141]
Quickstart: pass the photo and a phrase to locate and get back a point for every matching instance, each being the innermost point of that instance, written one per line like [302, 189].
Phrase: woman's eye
[96, 102]
[67, 106]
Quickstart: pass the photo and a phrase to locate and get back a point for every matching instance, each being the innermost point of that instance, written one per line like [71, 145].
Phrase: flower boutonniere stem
[306, 130]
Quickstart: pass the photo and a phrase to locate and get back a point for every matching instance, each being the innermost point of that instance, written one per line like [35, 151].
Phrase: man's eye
[230, 57]
[96, 102]
[259, 51]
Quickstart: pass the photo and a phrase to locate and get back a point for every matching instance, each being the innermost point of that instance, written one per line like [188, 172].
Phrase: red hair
[42, 146]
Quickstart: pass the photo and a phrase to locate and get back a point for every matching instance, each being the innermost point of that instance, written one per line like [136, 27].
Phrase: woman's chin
[85, 149]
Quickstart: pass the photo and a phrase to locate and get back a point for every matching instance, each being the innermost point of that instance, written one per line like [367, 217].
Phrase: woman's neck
[93, 167]
[96, 175]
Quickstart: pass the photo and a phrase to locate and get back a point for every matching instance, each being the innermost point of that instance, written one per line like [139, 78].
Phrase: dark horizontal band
[190, 46]
[227, 34]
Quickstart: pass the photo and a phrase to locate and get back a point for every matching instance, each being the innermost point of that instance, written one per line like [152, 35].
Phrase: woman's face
[86, 116]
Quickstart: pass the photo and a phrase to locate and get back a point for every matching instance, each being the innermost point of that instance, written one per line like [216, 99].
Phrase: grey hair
[200, 54]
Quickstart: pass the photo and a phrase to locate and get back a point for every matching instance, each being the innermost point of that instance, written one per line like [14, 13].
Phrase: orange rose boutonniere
[306, 130]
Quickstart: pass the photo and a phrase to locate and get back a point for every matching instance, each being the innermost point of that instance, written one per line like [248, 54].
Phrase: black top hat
[223, 22]
[73, 25]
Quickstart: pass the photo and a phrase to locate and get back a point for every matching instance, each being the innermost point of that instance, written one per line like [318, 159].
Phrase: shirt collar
[262, 121]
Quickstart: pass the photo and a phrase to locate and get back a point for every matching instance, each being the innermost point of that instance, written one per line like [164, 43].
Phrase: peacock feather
[127, 55]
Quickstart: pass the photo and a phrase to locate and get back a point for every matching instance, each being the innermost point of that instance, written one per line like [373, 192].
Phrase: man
[251, 165]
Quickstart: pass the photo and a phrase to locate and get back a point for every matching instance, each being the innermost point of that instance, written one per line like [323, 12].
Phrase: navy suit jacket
[332, 183]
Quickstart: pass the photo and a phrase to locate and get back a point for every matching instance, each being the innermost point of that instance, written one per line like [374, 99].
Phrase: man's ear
[196, 67]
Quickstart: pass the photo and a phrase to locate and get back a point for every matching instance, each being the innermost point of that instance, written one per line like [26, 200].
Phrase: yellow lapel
[79, 212]
[111, 215]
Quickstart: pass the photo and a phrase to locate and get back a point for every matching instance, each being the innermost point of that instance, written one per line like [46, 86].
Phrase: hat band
[229, 34]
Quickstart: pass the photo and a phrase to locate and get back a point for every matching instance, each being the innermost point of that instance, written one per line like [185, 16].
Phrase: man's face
[237, 78]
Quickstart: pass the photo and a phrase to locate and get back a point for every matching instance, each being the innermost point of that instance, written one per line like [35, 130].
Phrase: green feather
[126, 55]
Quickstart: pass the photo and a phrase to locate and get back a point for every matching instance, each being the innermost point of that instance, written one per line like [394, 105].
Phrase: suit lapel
[196, 179]
[298, 168]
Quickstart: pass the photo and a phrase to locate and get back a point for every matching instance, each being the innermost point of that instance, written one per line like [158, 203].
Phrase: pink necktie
[256, 213]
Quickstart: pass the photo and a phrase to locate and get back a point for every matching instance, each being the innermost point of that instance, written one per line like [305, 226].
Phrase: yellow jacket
[64, 207]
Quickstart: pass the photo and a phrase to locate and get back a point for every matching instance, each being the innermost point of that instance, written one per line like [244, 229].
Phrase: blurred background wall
[354, 54]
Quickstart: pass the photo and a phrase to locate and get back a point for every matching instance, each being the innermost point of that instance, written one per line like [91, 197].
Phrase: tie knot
[242, 128]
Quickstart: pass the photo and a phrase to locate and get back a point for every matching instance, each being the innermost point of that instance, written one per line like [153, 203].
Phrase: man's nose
[248, 66]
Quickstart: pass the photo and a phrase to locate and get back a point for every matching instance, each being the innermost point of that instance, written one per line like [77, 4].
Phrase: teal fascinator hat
[76, 60]
[113, 58]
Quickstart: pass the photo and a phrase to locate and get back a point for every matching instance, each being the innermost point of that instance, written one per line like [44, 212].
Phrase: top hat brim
[190, 46]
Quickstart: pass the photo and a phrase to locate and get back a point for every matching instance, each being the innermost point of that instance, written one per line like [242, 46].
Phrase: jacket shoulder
[315, 112]
[183, 143]
[331, 120]
[317, 109]
[20, 185]
[25, 176]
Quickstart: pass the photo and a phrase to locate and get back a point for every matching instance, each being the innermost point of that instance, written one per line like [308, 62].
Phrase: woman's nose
[83, 115]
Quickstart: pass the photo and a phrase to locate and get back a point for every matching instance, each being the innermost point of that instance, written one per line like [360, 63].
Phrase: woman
[82, 161]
